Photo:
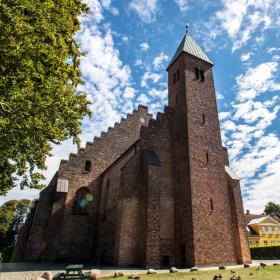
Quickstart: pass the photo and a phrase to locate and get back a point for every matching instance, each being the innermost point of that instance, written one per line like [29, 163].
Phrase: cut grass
[267, 273]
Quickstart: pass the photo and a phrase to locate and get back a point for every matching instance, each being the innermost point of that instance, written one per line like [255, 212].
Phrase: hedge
[265, 253]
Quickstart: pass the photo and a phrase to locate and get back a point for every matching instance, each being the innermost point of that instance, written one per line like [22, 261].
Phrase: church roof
[189, 45]
[231, 173]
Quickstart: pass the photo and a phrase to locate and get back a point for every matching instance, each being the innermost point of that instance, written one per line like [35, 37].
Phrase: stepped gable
[154, 127]
[107, 147]
[160, 118]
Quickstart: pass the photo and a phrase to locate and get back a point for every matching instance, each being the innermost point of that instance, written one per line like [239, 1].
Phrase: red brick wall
[102, 152]
[36, 237]
[242, 249]
[184, 251]
[207, 178]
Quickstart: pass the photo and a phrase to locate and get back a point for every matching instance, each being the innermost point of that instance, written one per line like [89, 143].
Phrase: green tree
[40, 103]
[12, 214]
[272, 208]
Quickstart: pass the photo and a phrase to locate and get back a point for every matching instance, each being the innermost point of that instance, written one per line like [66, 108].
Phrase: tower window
[196, 70]
[201, 75]
[177, 75]
[207, 157]
[88, 166]
[174, 78]
[211, 204]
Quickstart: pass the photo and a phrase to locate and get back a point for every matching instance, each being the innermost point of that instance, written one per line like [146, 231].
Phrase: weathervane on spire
[187, 28]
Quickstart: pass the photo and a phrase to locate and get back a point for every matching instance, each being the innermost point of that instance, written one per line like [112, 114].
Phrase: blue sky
[128, 44]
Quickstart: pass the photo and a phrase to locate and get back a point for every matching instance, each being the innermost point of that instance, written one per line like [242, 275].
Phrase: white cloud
[148, 76]
[231, 15]
[138, 62]
[159, 60]
[143, 99]
[95, 9]
[144, 46]
[219, 95]
[145, 9]
[125, 38]
[245, 56]
[271, 50]
[129, 93]
[257, 80]
[114, 11]
[182, 4]
[241, 20]
[254, 150]
[276, 57]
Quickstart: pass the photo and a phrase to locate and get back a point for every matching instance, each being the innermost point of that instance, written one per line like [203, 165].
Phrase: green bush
[265, 253]
[7, 253]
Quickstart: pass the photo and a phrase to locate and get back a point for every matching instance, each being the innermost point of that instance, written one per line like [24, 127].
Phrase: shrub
[265, 253]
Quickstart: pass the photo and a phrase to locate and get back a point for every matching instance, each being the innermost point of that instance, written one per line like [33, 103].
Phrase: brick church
[148, 192]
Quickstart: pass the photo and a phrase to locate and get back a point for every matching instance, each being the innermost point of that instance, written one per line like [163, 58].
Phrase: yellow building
[263, 231]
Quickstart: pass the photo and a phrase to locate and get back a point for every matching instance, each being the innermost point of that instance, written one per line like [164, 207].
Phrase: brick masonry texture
[161, 196]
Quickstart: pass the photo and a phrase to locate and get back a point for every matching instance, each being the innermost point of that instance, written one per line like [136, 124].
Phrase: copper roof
[189, 46]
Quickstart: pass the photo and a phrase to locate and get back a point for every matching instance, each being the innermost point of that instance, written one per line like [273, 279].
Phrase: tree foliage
[39, 75]
[12, 214]
[272, 208]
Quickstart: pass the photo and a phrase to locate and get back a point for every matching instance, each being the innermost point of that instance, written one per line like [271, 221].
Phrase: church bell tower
[203, 217]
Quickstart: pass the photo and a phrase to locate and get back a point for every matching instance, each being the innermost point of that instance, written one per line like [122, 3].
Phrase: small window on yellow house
[272, 242]
[263, 230]
[265, 242]
[276, 229]
[250, 242]
[270, 230]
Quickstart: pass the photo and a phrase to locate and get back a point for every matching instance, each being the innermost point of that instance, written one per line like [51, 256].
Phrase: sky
[127, 46]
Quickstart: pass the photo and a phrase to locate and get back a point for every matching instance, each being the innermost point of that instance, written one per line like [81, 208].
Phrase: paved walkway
[28, 271]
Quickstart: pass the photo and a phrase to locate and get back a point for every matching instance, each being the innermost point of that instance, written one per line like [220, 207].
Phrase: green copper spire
[189, 46]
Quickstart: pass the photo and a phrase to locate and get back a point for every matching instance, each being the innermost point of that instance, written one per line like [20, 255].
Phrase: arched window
[81, 201]
[88, 166]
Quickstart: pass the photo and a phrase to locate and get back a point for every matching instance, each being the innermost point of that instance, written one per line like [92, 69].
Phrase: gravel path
[27, 271]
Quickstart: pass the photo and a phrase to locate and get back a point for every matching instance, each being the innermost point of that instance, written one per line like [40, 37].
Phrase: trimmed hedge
[265, 253]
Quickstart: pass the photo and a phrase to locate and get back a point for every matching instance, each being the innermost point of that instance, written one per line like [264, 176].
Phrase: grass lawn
[267, 273]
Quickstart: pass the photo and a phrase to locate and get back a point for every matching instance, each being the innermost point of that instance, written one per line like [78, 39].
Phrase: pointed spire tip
[187, 28]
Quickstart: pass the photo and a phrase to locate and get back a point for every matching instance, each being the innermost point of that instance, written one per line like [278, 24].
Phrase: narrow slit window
[203, 118]
[174, 78]
[196, 70]
[201, 75]
[177, 75]
[88, 166]
[176, 97]
[211, 204]
[207, 157]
